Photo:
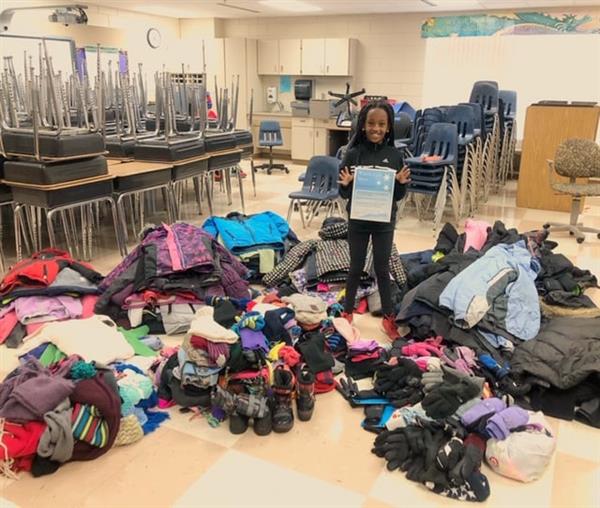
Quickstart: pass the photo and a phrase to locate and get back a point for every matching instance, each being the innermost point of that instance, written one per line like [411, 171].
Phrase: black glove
[445, 399]
[450, 454]
[471, 461]
[387, 376]
[393, 447]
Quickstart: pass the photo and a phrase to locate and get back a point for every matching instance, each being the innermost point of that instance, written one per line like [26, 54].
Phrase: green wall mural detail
[518, 23]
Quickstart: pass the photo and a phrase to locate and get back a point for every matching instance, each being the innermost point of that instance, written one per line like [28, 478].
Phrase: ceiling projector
[69, 16]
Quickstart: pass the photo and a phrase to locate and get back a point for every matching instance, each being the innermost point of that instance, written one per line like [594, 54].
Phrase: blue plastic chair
[486, 94]
[437, 178]
[509, 97]
[320, 186]
[464, 118]
[402, 129]
[269, 135]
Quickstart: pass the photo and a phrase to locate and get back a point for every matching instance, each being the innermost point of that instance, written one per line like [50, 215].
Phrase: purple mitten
[253, 339]
[484, 409]
[500, 425]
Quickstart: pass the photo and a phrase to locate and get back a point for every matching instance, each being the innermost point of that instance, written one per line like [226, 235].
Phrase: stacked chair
[433, 172]
[475, 142]
[54, 151]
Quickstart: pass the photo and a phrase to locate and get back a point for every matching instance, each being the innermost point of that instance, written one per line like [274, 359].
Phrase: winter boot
[264, 425]
[305, 397]
[390, 327]
[238, 424]
[284, 387]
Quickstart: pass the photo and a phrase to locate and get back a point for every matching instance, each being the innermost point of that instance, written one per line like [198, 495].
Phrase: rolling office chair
[269, 135]
[575, 158]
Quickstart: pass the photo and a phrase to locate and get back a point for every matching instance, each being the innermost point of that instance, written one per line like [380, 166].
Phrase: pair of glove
[390, 377]
[444, 399]
[460, 459]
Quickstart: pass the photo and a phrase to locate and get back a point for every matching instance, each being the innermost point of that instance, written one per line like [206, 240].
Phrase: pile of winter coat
[320, 267]
[49, 286]
[168, 276]
[259, 241]
[481, 351]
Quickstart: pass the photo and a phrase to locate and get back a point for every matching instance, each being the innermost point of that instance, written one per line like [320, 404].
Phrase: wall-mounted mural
[518, 23]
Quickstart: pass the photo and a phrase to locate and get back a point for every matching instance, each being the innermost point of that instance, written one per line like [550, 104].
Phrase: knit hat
[225, 313]
[523, 455]
[205, 326]
[130, 431]
[310, 310]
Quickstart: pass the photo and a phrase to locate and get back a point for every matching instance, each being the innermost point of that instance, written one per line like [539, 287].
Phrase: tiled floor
[324, 462]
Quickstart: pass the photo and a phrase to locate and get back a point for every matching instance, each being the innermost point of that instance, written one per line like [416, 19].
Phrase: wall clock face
[154, 38]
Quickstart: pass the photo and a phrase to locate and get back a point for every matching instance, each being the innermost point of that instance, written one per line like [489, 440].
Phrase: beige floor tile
[257, 483]
[326, 447]
[569, 473]
[394, 489]
[579, 441]
[199, 428]
[152, 472]
[375, 503]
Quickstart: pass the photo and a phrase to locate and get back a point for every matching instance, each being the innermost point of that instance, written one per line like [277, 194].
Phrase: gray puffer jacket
[564, 353]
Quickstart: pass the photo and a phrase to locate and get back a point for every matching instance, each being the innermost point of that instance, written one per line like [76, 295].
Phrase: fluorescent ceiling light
[290, 5]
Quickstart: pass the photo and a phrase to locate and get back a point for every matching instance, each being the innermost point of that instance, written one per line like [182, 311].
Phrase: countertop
[273, 113]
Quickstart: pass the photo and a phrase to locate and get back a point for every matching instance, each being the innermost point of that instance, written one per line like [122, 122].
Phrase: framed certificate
[373, 194]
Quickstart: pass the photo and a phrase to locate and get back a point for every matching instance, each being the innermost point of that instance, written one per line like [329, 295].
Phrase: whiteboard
[62, 51]
[538, 67]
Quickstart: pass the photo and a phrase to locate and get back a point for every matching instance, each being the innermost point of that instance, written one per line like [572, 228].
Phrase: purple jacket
[175, 249]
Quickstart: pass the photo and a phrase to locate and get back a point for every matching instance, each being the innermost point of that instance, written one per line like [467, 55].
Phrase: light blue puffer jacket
[498, 288]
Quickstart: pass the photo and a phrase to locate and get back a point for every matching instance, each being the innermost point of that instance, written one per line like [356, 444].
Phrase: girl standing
[373, 145]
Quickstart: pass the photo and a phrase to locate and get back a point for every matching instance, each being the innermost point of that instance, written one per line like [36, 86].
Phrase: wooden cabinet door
[268, 56]
[313, 57]
[290, 56]
[337, 57]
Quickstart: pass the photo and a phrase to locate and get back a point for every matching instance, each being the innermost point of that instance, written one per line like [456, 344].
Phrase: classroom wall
[390, 52]
[394, 60]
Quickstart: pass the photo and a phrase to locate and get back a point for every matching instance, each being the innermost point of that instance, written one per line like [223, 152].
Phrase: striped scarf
[88, 425]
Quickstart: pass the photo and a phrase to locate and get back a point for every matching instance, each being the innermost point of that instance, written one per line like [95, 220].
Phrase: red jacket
[40, 270]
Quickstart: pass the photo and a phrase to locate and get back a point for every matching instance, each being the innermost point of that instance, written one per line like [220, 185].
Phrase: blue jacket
[498, 288]
[241, 233]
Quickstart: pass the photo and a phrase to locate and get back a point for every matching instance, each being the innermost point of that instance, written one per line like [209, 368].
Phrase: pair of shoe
[388, 324]
[286, 387]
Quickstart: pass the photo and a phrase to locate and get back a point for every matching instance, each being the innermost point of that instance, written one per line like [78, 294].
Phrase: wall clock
[153, 37]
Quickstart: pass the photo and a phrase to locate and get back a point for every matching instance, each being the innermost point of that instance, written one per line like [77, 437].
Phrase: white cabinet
[338, 61]
[302, 138]
[320, 141]
[310, 137]
[290, 56]
[313, 57]
[307, 57]
[268, 56]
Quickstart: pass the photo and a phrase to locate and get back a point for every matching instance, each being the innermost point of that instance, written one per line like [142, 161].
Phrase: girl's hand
[403, 176]
[345, 177]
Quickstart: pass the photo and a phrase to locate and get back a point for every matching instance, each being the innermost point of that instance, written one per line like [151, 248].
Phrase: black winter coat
[565, 352]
